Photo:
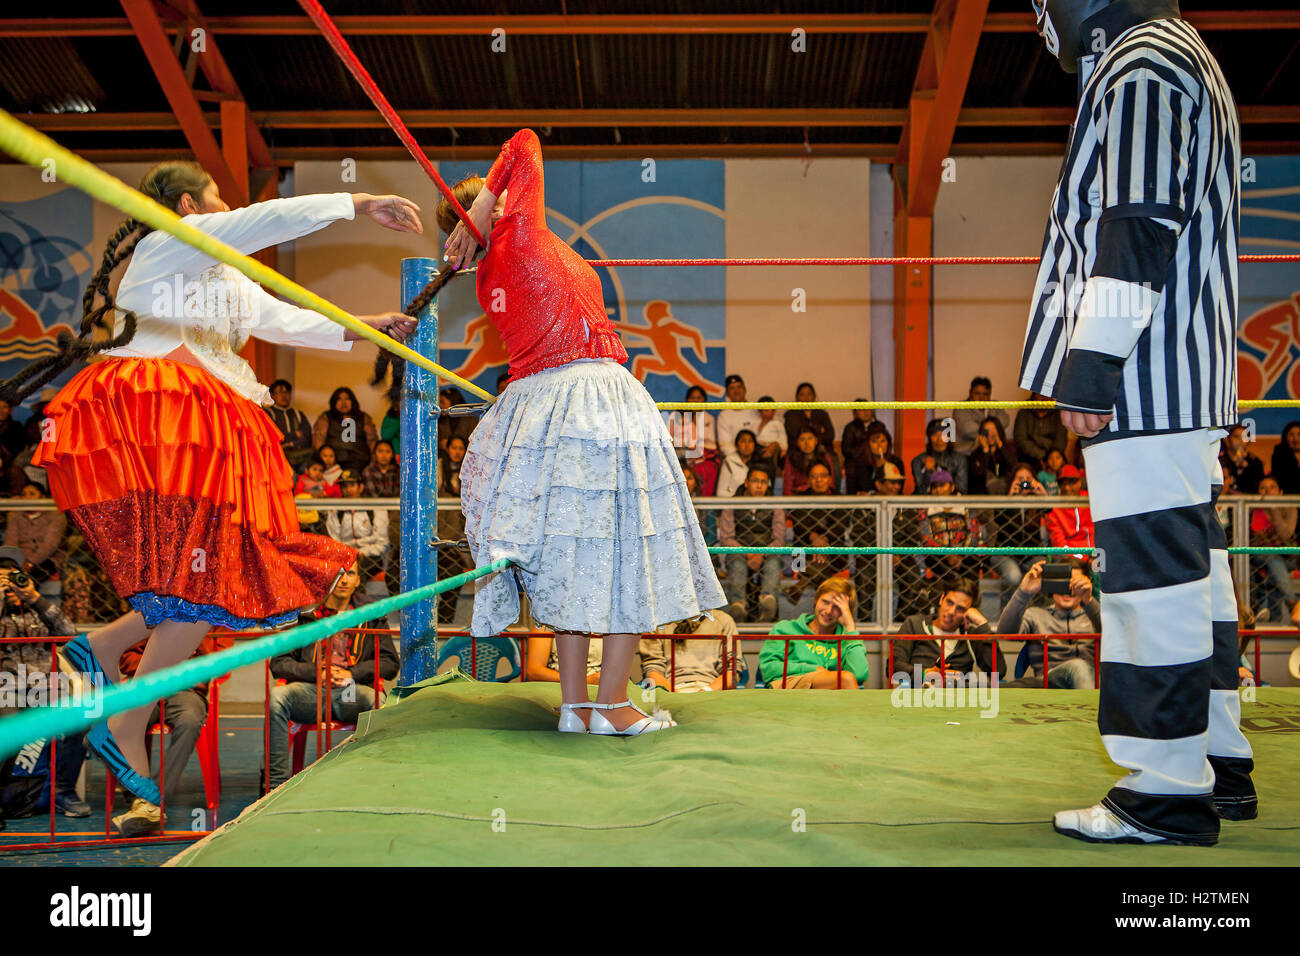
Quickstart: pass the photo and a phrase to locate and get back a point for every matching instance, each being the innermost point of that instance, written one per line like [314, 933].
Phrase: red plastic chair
[298, 732]
[324, 739]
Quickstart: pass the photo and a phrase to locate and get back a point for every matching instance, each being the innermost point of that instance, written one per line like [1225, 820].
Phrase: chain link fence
[889, 587]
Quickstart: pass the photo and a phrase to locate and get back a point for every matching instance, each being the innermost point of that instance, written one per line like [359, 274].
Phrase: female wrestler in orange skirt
[159, 452]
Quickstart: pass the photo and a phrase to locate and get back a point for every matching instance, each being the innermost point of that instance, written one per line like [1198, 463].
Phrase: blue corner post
[419, 482]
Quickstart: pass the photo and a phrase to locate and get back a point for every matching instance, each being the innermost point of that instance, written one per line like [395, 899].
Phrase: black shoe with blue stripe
[102, 744]
[79, 662]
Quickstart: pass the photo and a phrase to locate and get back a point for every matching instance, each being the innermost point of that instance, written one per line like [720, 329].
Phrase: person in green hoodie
[813, 663]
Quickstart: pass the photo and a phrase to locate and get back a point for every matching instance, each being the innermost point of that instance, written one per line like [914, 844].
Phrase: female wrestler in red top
[571, 473]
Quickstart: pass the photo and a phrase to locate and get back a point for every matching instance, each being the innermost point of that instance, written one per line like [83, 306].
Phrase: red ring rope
[877, 261]
[340, 45]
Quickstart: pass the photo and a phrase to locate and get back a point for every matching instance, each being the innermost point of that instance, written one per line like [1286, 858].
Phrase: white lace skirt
[571, 474]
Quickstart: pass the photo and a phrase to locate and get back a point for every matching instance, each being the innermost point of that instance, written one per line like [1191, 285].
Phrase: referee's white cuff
[1089, 381]
[1086, 411]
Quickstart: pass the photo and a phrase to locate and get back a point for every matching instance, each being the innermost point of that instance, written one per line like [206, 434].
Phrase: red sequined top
[543, 298]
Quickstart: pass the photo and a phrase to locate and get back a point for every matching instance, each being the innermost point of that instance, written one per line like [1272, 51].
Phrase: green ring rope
[972, 552]
[66, 718]
[62, 719]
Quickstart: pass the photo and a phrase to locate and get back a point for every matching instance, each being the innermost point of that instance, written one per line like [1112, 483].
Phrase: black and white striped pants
[1169, 709]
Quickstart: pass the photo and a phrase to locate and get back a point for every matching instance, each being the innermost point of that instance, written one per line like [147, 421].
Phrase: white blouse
[192, 309]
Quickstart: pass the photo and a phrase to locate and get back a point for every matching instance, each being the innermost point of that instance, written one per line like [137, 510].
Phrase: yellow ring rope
[26, 144]
[908, 406]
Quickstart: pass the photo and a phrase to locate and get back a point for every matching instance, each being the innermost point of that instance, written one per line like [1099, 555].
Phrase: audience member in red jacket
[312, 482]
[1070, 527]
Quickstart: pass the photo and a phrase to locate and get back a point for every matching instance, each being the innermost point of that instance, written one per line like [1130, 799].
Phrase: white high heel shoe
[571, 723]
[601, 725]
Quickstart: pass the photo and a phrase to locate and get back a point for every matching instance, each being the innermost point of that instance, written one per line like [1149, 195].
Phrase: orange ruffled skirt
[183, 493]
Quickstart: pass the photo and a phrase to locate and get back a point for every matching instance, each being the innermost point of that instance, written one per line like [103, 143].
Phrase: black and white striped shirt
[1135, 306]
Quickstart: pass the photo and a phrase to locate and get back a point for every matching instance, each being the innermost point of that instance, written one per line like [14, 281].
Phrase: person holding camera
[993, 461]
[24, 612]
[1074, 610]
[970, 421]
[1025, 482]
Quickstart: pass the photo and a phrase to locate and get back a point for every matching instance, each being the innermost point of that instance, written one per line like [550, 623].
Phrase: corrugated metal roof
[45, 75]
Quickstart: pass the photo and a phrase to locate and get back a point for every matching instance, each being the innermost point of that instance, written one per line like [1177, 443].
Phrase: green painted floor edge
[462, 773]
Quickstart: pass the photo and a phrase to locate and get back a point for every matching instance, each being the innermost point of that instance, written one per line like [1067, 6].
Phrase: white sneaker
[143, 817]
[1096, 824]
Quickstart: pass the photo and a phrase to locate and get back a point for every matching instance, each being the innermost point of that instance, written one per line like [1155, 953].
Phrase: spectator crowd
[348, 455]
[48, 580]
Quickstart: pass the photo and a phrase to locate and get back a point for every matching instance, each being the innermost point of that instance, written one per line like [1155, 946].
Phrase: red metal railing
[730, 656]
[110, 784]
[324, 722]
[730, 662]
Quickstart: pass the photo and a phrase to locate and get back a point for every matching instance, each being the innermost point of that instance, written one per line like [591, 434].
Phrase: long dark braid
[386, 361]
[165, 183]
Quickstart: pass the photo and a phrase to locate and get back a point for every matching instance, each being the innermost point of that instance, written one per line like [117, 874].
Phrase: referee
[1133, 333]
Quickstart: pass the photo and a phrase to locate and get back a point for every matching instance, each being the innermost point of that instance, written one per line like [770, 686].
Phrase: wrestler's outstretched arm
[287, 324]
[265, 224]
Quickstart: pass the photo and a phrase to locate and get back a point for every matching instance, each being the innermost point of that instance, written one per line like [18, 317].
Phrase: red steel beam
[222, 81]
[608, 25]
[469, 119]
[286, 156]
[913, 236]
[938, 91]
[534, 25]
[171, 76]
[234, 144]
[488, 119]
[1211, 20]
[956, 54]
